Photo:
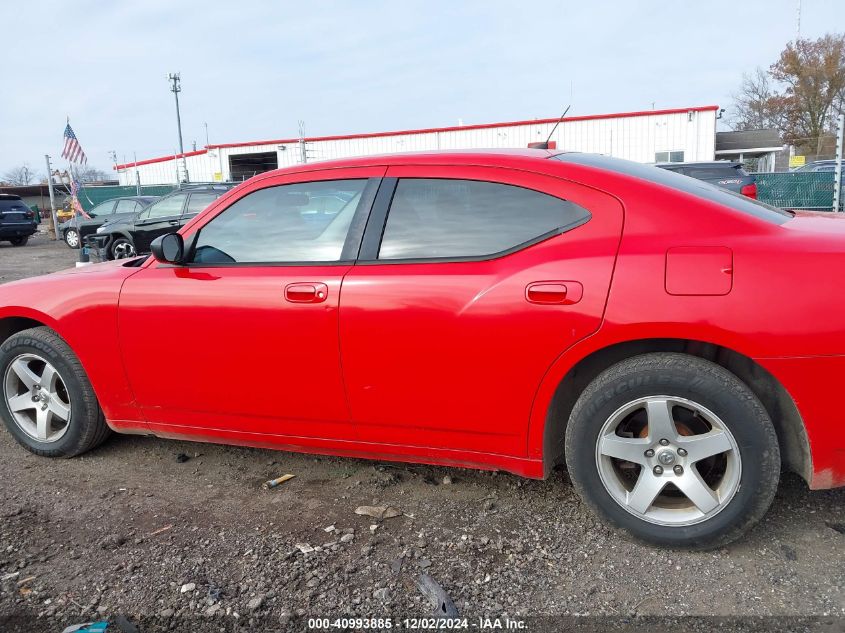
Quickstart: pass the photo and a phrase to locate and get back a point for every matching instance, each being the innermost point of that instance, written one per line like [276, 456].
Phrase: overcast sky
[252, 70]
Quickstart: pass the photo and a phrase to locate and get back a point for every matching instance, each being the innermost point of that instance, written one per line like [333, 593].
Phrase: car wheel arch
[790, 428]
[12, 324]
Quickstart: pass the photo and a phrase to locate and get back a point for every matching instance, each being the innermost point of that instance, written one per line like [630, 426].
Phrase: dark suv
[722, 173]
[75, 230]
[17, 221]
[132, 236]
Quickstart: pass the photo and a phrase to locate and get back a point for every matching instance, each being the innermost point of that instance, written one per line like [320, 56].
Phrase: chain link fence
[796, 189]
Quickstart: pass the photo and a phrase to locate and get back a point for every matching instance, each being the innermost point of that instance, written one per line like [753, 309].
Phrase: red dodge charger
[672, 343]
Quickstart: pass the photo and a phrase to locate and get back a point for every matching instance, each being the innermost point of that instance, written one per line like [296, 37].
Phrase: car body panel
[722, 173]
[782, 309]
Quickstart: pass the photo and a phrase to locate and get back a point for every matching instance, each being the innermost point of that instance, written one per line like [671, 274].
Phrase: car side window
[443, 218]
[126, 206]
[284, 224]
[166, 207]
[105, 208]
[199, 201]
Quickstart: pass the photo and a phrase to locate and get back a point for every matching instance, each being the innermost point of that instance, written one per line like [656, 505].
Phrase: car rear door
[249, 327]
[479, 279]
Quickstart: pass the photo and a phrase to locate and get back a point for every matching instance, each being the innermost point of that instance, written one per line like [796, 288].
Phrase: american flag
[75, 205]
[73, 150]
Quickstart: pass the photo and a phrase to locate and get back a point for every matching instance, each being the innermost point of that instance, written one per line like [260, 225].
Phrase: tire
[19, 241]
[121, 248]
[72, 238]
[75, 423]
[699, 400]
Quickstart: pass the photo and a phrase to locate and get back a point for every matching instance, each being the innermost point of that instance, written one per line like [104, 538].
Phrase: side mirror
[169, 248]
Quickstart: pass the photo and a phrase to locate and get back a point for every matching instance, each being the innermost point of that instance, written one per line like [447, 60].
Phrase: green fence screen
[92, 196]
[796, 189]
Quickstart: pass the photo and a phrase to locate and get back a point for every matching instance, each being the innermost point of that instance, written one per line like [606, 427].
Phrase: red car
[672, 343]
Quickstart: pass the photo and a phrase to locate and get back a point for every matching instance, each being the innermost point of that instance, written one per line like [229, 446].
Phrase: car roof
[9, 196]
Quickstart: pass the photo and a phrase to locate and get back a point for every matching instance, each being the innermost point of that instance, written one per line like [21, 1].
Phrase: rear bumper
[17, 230]
[815, 385]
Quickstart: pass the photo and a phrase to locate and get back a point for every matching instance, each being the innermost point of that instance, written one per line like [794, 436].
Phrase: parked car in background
[75, 230]
[818, 166]
[722, 173]
[17, 221]
[508, 310]
[129, 236]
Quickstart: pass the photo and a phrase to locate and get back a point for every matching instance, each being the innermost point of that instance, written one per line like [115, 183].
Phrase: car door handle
[306, 292]
[173, 222]
[554, 292]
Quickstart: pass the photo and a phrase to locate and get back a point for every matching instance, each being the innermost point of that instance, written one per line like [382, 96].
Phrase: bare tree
[23, 175]
[756, 104]
[90, 174]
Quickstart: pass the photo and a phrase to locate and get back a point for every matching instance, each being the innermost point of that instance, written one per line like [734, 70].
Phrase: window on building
[303, 222]
[440, 218]
[676, 156]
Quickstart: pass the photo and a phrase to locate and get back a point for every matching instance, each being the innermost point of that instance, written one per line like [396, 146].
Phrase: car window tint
[126, 206]
[105, 208]
[301, 222]
[166, 207]
[441, 218]
[199, 201]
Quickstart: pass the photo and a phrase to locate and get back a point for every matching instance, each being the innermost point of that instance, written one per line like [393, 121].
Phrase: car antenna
[545, 144]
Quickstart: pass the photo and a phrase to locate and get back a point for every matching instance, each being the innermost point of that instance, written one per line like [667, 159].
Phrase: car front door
[456, 310]
[249, 327]
[158, 219]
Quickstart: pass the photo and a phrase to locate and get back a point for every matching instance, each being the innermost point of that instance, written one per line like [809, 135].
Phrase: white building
[680, 134]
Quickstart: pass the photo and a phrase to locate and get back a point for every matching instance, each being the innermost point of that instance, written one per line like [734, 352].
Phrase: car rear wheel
[72, 238]
[122, 248]
[674, 449]
[19, 241]
[48, 405]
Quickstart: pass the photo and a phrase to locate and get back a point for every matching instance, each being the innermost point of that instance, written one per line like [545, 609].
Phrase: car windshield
[691, 186]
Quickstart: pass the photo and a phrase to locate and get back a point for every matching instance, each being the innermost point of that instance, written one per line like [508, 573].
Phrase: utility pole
[54, 221]
[175, 87]
[205, 123]
[137, 174]
[837, 176]
[302, 154]
[798, 22]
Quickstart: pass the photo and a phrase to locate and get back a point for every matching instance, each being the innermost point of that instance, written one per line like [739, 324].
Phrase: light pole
[54, 222]
[175, 87]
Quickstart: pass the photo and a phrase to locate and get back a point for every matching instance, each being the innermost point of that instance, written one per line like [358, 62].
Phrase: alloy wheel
[37, 398]
[72, 238]
[123, 249]
[669, 461]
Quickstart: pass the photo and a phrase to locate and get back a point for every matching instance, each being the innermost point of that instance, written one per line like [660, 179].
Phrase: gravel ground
[181, 536]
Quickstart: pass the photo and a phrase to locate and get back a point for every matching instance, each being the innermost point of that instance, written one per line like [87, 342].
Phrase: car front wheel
[48, 404]
[122, 248]
[72, 238]
[674, 449]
